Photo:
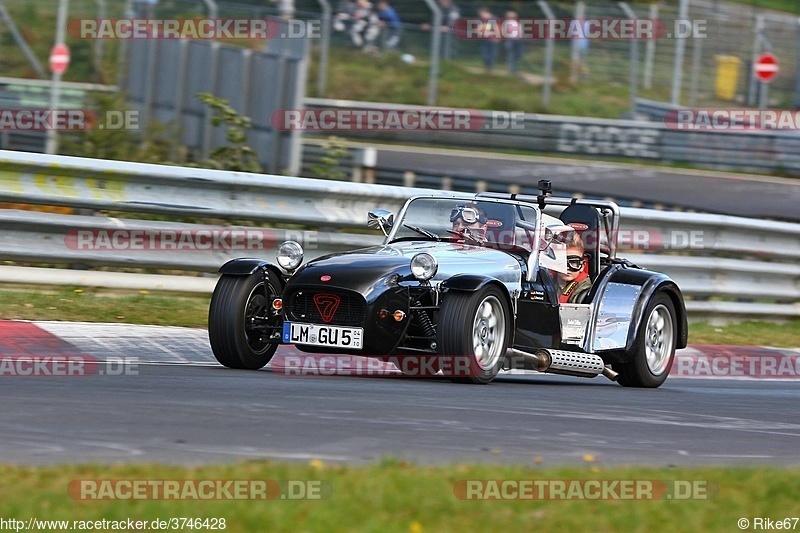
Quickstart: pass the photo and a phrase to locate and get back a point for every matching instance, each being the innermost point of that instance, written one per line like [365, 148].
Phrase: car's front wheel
[654, 347]
[243, 331]
[473, 334]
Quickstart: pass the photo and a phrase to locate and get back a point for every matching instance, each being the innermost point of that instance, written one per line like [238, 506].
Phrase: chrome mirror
[381, 219]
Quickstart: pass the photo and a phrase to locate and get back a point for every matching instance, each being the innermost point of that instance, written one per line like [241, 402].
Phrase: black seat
[500, 222]
[586, 215]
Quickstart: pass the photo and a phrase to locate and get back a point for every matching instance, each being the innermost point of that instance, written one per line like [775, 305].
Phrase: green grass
[393, 496]
[163, 309]
[791, 6]
[785, 335]
[96, 305]
[354, 75]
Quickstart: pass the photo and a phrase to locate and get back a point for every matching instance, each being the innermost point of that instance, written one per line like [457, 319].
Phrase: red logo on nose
[327, 304]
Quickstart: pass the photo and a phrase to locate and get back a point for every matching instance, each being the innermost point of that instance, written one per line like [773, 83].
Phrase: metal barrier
[725, 265]
[751, 151]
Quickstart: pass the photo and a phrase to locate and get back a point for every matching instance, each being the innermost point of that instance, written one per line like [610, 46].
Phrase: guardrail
[725, 265]
[751, 151]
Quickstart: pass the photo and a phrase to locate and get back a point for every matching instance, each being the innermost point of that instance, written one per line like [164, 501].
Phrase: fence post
[697, 54]
[634, 72]
[753, 86]
[680, 46]
[324, 48]
[796, 99]
[51, 146]
[575, 57]
[99, 43]
[436, 45]
[650, 52]
[548, 58]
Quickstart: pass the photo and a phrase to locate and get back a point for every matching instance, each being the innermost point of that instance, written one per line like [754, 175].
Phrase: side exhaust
[587, 365]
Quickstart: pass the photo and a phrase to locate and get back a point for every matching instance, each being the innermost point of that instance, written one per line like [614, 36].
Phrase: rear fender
[620, 304]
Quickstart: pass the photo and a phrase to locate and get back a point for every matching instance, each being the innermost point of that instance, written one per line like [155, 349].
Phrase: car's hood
[358, 269]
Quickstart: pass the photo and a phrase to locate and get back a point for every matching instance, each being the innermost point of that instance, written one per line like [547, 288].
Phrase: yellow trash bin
[727, 76]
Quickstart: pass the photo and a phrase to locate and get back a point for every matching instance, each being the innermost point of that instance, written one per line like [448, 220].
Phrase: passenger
[575, 283]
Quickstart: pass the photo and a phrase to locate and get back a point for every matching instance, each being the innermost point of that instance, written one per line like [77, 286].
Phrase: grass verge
[96, 305]
[78, 304]
[393, 496]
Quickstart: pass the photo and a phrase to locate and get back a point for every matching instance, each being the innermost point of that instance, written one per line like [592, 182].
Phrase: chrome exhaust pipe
[586, 365]
[610, 374]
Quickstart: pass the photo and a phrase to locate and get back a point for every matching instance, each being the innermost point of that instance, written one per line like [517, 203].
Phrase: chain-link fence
[703, 58]
[713, 69]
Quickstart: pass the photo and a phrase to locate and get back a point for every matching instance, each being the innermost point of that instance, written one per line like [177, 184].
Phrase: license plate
[318, 335]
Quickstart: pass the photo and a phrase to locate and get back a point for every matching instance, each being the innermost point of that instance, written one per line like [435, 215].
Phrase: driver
[469, 221]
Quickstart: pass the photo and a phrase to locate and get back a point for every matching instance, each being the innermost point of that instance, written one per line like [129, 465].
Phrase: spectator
[364, 29]
[390, 22]
[488, 46]
[450, 15]
[343, 19]
[285, 8]
[512, 42]
[581, 44]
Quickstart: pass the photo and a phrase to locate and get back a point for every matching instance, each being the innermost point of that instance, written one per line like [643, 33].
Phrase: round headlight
[424, 266]
[290, 255]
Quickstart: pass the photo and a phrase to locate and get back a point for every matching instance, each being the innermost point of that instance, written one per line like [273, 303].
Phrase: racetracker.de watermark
[582, 489]
[566, 29]
[354, 365]
[66, 120]
[736, 362]
[198, 28]
[422, 119]
[732, 119]
[199, 489]
[163, 240]
[66, 366]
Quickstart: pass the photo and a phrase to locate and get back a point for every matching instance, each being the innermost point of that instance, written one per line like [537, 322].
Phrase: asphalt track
[190, 410]
[705, 191]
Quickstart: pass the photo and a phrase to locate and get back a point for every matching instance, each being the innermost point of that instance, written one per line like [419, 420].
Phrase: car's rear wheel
[654, 347]
[241, 327]
[473, 334]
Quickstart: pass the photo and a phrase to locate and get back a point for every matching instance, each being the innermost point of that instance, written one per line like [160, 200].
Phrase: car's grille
[350, 311]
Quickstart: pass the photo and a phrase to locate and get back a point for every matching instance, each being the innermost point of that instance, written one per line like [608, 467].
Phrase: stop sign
[59, 58]
[766, 67]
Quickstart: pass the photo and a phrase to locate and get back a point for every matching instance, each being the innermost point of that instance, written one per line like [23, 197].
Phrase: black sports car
[469, 285]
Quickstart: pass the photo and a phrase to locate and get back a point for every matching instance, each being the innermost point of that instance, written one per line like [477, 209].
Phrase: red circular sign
[766, 67]
[59, 58]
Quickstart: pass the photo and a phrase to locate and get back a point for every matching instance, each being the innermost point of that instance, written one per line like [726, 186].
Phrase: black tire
[465, 330]
[235, 300]
[654, 347]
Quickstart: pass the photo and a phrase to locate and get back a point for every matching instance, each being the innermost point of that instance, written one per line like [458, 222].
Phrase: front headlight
[424, 266]
[290, 255]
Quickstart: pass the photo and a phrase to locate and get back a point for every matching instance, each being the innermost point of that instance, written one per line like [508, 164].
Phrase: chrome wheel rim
[488, 333]
[256, 307]
[658, 339]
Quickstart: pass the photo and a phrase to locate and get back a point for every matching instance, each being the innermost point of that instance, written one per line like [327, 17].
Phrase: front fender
[467, 282]
[247, 266]
[475, 282]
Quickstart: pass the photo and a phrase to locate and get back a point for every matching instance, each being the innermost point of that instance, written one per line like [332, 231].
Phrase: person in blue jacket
[390, 22]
